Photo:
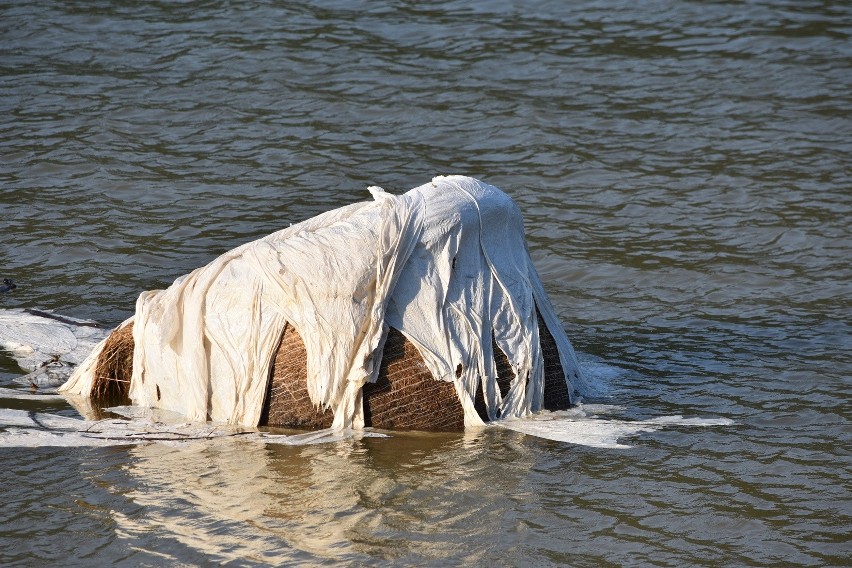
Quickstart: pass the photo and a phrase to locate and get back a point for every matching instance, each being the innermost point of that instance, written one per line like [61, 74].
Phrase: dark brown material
[479, 404]
[288, 404]
[556, 395]
[505, 374]
[114, 369]
[406, 396]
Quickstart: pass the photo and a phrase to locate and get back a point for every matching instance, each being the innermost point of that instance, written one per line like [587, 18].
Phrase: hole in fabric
[479, 404]
[459, 370]
[158, 391]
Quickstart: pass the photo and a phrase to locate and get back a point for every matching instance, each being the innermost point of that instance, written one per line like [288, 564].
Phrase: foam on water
[47, 345]
[21, 428]
[580, 426]
[600, 376]
[41, 396]
[583, 426]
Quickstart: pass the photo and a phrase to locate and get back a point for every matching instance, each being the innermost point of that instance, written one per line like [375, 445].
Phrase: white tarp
[445, 263]
[48, 345]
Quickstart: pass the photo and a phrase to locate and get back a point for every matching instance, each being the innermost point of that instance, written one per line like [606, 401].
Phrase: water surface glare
[683, 170]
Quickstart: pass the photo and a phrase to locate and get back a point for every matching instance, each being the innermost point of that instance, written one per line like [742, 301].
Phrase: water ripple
[683, 173]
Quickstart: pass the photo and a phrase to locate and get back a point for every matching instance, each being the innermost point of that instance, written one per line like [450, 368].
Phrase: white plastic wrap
[445, 263]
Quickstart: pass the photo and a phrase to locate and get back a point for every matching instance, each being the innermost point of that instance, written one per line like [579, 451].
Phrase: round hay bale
[405, 395]
[114, 369]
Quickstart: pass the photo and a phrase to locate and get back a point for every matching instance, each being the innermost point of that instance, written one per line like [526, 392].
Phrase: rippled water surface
[684, 173]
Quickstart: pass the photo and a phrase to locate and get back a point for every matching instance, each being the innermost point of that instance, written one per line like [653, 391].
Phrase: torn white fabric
[445, 263]
[471, 276]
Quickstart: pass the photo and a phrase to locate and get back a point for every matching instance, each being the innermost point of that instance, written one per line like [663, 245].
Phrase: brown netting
[505, 374]
[556, 395]
[555, 388]
[114, 369]
[405, 396]
[288, 404]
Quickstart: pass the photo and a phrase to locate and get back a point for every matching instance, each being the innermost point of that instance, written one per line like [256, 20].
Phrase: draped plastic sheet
[445, 263]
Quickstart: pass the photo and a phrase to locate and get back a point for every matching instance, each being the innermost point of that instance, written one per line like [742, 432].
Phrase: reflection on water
[355, 501]
[484, 498]
[683, 172]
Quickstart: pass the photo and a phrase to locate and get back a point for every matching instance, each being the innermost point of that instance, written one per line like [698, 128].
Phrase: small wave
[599, 377]
[583, 426]
[41, 396]
[48, 345]
[36, 429]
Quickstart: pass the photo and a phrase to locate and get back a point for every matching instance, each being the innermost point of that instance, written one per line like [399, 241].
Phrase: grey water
[684, 173]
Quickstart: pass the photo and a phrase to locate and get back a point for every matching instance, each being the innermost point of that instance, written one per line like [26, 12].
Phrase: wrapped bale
[420, 311]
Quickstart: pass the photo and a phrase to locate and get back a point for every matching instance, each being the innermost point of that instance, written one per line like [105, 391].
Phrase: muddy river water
[684, 173]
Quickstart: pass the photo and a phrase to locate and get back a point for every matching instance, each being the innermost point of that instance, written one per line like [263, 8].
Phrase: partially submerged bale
[445, 264]
[404, 397]
[114, 368]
